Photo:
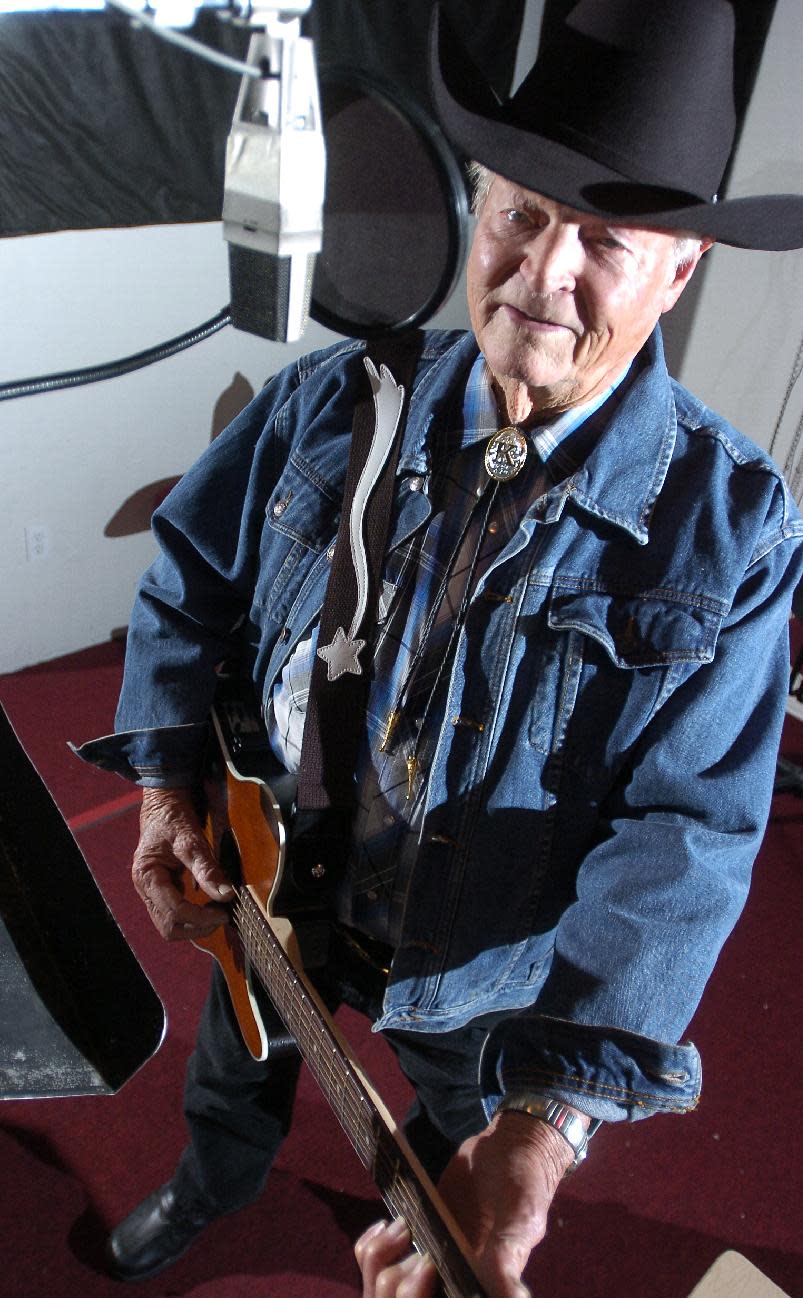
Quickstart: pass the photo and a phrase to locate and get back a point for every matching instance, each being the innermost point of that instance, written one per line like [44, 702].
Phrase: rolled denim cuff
[167, 757]
[605, 1072]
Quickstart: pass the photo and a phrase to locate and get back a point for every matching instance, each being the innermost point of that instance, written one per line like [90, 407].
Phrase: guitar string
[389, 1170]
[351, 1092]
[299, 1005]
[337, 1096]
[352, 1108]
[342, 1089]
[399, 1195]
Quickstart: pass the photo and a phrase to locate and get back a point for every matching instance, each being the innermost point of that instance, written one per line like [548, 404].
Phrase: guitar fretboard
[376, 1143]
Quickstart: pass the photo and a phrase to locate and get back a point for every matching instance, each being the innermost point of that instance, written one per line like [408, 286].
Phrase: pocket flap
[639, 630]
[302, 509]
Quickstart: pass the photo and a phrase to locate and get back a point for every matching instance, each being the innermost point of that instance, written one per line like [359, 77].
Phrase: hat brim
[477, 125]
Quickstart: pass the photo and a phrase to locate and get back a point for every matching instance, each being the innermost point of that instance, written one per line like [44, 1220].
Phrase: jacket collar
[623, 463]
[614, 465]
[439, 393]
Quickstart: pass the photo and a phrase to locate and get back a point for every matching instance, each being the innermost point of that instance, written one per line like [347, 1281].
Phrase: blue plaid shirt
[471, 523]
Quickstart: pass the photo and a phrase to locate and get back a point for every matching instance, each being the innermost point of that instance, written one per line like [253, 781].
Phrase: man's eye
[514, 216]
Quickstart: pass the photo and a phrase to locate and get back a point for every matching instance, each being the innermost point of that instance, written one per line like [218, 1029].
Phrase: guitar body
[251, 847]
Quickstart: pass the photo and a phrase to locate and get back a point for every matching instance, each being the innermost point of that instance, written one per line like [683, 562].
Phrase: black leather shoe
[153, 1236]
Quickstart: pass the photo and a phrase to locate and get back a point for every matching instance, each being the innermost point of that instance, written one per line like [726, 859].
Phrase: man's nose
[553, 260]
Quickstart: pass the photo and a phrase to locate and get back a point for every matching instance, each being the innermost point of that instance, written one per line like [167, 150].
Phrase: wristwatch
[555, 1114]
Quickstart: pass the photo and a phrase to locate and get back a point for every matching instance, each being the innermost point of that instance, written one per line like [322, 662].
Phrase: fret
[283, 984]
[375, 1143]
[257, 825]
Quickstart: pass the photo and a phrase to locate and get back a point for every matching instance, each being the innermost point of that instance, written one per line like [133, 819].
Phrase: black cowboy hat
[627, 113]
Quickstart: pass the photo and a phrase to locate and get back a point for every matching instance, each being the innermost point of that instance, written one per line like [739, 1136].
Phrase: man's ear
[683, 274]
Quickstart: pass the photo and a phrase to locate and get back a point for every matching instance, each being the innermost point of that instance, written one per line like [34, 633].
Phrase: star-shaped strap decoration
[341, 655]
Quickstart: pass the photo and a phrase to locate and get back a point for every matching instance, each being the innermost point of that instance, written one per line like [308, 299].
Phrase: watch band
[556, 1115]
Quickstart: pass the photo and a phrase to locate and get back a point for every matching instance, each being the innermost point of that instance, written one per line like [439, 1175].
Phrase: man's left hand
[499, 1186]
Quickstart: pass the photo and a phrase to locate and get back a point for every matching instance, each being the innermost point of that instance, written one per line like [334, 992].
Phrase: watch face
[506, 454]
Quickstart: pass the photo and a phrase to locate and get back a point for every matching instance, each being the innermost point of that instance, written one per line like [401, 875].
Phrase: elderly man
[580, 643]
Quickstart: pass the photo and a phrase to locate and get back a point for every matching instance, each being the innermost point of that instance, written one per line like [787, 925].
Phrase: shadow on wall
[134, 515]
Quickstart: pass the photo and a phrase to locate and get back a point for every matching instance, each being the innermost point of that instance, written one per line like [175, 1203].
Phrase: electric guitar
[260, 941]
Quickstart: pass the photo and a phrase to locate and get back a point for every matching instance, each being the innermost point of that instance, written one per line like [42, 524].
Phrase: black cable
[114, 369]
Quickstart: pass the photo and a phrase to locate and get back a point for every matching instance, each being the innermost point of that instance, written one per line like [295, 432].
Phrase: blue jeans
[239, 1109]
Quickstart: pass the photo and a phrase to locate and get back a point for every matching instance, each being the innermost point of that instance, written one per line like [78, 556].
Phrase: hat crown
[627, 114]
[644, 87]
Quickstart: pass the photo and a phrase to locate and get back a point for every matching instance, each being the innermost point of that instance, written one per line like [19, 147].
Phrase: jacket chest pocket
[622, 654]
[639, 631]
[301, 519]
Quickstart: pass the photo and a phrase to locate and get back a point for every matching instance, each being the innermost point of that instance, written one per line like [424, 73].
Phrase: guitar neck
[381, 1148]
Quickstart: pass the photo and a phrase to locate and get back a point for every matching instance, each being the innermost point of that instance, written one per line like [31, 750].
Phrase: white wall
[69, 460]
[744, 343]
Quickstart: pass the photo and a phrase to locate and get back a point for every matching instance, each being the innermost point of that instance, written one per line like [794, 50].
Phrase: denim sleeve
[661, 889]
[193, 599]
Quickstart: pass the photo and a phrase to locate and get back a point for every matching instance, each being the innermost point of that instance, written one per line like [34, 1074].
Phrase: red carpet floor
[651, 1210]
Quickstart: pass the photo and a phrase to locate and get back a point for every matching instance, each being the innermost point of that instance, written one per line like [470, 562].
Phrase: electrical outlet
[37, 541]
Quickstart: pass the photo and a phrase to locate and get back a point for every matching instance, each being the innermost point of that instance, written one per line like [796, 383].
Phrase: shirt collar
[613, 466]
[481, 415]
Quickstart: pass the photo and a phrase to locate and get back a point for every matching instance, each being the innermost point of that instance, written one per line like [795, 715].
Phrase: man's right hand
[171, 840]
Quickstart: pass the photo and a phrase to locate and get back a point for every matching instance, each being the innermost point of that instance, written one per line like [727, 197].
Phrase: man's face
[561, 301]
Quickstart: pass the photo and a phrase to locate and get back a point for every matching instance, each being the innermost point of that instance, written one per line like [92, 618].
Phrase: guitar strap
[335, 716]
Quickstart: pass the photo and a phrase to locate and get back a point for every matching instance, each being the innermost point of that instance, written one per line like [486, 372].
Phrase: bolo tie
[505, 456]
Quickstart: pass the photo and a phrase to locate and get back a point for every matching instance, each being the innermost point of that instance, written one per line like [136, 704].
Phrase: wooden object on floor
[732, 1276]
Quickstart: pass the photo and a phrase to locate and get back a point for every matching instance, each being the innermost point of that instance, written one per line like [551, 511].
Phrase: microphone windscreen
[394, 213]
[270, 295]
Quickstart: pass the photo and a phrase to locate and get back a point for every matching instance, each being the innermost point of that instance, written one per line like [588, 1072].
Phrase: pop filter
[395, 226]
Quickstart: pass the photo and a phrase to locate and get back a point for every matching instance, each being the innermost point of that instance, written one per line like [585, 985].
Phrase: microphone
[274, 185]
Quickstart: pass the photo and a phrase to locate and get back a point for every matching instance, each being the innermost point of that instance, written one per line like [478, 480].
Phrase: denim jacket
[603, 775]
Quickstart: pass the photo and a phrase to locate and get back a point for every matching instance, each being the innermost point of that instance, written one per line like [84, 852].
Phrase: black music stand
[78, 1016]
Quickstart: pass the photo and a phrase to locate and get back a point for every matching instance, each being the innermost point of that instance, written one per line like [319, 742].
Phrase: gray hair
[481, 178]
[686, 248]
